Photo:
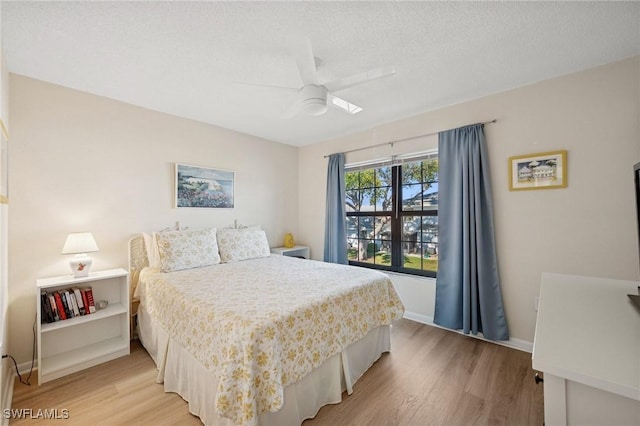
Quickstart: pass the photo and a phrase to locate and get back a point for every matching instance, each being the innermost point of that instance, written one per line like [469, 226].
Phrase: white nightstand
[295, 251]
[74, 344]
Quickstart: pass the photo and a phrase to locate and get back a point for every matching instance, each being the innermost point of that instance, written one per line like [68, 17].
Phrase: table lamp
[80, 243]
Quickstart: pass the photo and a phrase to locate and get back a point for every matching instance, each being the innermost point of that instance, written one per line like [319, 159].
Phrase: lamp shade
[79, 242]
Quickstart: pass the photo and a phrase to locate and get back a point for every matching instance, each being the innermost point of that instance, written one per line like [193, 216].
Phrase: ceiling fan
[314, 98]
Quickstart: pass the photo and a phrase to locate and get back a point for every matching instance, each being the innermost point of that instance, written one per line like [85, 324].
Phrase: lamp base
[80, 265]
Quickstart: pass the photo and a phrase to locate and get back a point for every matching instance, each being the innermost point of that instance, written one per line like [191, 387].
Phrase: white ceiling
[184, 58]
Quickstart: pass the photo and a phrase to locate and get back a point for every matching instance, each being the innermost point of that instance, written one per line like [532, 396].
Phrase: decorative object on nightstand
[80, 243]
[288, 240]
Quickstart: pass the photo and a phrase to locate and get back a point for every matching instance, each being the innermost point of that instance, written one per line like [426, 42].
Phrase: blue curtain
[335, 229]
[468, 293]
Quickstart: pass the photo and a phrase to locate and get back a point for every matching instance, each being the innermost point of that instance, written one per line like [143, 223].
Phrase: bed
[251, 338]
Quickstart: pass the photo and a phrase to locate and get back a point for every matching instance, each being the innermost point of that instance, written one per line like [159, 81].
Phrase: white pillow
[187, 249]
[242, 244]
[150, 244]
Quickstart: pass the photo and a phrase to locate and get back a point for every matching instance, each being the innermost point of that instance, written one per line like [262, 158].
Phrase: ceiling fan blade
[342, 104]
[293, 110]
[302, 52]
[357, 79]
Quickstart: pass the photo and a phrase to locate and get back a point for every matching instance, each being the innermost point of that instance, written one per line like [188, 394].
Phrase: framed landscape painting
[544, 170]
[204, 187]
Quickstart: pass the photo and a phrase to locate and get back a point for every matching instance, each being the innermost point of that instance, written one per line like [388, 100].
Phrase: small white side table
[74, 344]
[295, 251]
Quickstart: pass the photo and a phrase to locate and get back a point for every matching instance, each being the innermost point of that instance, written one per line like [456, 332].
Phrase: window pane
[367, 178]
[412, 197]
[430, 194]
[366, 227]
[411, 173]
[430, 227]
[352, 251]
[353, 200]
[411, 228]
[430, 170]
[383, 253]
[367, 200]
[351, 180]
[383, 176]
[411, 248]
[366, 250]
[430, 243]
[352, 233]
[383, 199]
[430, 257]
[383, 228]
[411, 257]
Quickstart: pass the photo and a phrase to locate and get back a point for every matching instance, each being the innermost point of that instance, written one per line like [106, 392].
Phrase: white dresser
[587, 344]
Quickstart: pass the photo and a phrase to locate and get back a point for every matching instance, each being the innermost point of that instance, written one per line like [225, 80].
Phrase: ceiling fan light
[314, 106]
[314, 100]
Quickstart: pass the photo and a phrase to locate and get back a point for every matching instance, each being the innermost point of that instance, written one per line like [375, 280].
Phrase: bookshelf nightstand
[295, 251]
[71, 345]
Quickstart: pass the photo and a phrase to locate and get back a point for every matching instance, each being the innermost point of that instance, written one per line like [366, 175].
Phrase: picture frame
[204, 187]
[542, 170]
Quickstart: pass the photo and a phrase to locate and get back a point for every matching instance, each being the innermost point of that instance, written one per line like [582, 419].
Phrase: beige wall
[5, 364]
[586, 229]
[80, 162]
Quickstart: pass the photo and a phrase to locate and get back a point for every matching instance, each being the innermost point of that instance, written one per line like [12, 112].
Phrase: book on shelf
[80, 302]
[46, 315]
[74, 303]
[60, 305]
[67, 302]
[85, 300]
[54, 307]
[90, 302]
[65, 306]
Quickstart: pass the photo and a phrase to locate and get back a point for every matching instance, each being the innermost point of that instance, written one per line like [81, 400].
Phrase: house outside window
[392, 215]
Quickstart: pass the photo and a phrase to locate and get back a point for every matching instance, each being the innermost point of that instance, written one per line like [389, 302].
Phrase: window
[392, 216]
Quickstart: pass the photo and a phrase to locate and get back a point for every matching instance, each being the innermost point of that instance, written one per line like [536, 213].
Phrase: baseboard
[25, 368]
[521, 345]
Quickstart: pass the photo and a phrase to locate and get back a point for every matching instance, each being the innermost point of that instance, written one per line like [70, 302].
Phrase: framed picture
[204, 187]
[544, 170]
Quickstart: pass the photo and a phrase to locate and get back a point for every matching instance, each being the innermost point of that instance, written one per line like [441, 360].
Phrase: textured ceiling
[184, 58]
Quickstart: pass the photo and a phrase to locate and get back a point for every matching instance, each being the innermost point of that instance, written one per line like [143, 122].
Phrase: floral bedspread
[262, 324]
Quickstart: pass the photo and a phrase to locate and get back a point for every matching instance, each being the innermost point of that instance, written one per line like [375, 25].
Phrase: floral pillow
[187, 249]
[152, 250]
[242, 244]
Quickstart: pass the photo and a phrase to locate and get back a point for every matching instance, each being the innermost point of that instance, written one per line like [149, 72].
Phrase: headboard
[137, 260]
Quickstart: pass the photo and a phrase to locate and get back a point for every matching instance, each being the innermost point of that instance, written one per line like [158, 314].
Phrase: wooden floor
[431, 377]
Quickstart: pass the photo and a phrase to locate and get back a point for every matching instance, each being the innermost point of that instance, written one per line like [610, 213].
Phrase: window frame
[397, 213]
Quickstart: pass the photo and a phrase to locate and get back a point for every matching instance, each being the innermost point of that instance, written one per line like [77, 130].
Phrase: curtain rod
[401, 140]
